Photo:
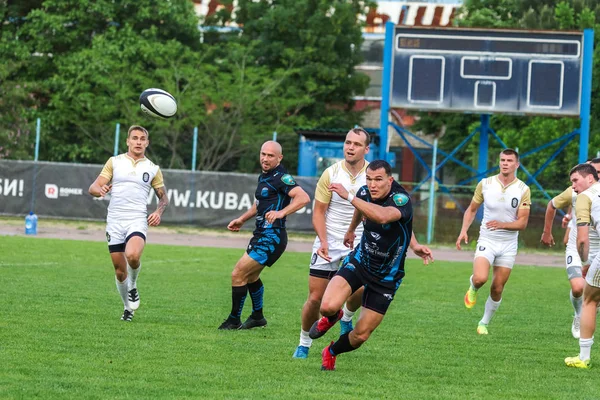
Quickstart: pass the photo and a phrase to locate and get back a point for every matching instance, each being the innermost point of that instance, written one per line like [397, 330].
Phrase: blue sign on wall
[483, 71]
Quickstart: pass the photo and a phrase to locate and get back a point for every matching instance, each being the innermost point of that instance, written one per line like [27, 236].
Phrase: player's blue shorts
[267, 245]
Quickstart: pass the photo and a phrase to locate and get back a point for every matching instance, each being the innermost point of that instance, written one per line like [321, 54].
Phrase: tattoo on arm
[163, 199]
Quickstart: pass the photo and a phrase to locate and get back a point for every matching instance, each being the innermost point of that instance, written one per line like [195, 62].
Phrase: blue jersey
[272, 195]
[382, 249]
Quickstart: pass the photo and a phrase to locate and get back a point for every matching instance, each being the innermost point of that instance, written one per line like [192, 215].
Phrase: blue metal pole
[432, 193]
[483, 143]
[275, 136]
[388, 50]
[586, 93]
[38, 128]
[117, 130]
[195, 148]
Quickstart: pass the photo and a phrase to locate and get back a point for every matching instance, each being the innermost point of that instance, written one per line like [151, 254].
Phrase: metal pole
[117, 130]
[388, 50]
[38, 127]
[195, 148]
[274, 136]
[586, 93]
[432, 193]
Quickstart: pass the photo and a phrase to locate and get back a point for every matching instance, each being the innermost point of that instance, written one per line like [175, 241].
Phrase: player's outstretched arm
[547, 238]
[420, 250]
[100, 187]
[468, 218]
[299, 199]
[163, 201]
[237, 223]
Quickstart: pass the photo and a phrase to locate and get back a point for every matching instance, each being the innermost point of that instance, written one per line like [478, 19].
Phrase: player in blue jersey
[377, 264]
[277, 195]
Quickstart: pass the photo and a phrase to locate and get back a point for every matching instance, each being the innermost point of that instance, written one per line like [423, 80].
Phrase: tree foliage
[525, 133]
[80, 65]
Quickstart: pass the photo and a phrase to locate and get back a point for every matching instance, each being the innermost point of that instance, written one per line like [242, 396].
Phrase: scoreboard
[483, 71]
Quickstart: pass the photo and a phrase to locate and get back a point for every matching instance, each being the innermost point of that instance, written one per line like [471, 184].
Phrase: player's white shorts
[499, 254]
[573, 261]
[118, 232]
[337, 252]
[593, 275]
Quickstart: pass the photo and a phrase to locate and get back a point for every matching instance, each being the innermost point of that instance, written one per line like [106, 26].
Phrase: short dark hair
[584, 170]
[510, 152]
[137, 128]
[361, 131]
[377, 164]
[595, 160]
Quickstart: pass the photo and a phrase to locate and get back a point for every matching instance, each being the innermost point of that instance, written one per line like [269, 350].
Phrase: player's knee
[238, 278]
[479, 281]
[133, 259]
[497, 288]
[329, 308]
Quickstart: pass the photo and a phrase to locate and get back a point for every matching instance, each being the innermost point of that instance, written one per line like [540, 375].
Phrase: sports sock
[576, 302]
[305, 340]
[471, 282]
[257, 291]
[490, 309]
[133, 274]
[341, 346]
[585, 346]
[347, 314]
[333, 318]
[238, 296]
[123, 288]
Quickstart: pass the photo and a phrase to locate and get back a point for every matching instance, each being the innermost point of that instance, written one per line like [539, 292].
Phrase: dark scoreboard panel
[483, 71]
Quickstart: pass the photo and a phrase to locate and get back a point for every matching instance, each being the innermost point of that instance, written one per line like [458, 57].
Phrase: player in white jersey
[331, 217]
[506, 201]
[128, 178]
[565, 200]
[587, 209]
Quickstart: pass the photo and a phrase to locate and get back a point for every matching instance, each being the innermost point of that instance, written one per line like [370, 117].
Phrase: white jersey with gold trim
[339, 213]
[587, 207]
[569, 198]
[131, 183]
[501, 203]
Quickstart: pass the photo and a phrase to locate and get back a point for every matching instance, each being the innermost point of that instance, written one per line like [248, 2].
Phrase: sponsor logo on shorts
[569, 259]
[314, 259]
[388, 296]
[514, 202]
[107, 237]
[481, 248]
[288, 179]
[146, 177]
[349, 267]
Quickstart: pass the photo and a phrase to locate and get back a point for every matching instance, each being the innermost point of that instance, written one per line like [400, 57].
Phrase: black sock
[342, 345]
[238, 296]
[333, 318]
[257, 291]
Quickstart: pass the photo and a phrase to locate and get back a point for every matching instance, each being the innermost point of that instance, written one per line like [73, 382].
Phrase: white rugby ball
[158, 103]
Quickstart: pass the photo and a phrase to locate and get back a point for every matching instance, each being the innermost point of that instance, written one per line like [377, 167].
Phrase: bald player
[506, 203]
[277, 196]
[128, 178]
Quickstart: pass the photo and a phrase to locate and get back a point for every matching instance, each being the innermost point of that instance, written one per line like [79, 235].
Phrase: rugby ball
[158, 103]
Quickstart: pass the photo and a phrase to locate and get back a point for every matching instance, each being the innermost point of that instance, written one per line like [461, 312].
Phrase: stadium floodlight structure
[487, 71]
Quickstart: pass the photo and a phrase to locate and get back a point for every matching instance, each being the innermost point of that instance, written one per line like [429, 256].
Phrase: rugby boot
[321, 326]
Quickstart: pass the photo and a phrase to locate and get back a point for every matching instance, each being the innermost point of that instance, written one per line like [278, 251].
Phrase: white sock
[347, 314]
[305, 340]
[490, 309]
[585, 346]
[576, 302]
[133, 274]
[123, 288]
[472, 286]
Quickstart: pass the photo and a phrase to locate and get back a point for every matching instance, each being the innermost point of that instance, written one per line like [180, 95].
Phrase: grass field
[61, 337]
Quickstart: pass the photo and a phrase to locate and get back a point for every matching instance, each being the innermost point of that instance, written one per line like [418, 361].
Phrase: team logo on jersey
[385, 226]
[481, 248]
[264, 192]
[376, 235]
[146, 177]
[363, 192]
[288, 179]
[107, 237]
[514, 202]
[569, 259]
[400, 199]
[314, 259]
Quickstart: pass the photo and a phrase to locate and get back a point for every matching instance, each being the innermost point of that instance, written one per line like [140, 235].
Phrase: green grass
[61, 337]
